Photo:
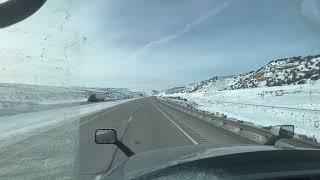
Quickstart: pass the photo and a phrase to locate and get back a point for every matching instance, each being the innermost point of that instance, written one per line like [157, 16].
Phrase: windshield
[163, 74]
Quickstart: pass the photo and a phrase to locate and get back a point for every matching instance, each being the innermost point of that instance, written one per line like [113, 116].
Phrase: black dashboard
[279, 164]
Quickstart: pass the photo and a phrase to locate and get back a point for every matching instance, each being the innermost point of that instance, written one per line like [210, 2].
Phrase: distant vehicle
[212, 162]
[97, 98]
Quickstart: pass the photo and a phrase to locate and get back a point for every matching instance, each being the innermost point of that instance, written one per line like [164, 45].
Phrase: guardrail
[269, 106]
[252, 132]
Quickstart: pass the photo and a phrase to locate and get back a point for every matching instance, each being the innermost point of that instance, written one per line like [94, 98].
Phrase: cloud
[310, 9]
[213, 12]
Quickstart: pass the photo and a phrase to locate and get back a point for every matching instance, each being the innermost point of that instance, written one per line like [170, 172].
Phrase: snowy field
[46, 140]
[21, 98]
[20, 93]
[17, 127]
[266, 106]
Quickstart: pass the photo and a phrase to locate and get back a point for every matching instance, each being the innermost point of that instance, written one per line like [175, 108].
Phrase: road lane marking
[177, 126]
[121, 139]
[130, 119]
[96, 117]
[50, 138]
[106, 111]
[41, 142]
[53, 137]
[98, 177]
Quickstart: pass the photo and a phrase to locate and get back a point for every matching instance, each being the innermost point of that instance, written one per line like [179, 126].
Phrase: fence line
[268, 106]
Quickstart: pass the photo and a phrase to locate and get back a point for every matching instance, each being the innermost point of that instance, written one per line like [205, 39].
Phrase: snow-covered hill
[289, 71]
[148, 92]
[281, 72]
[265, 106]
[17, 98]
[285, 91]
[175, 90]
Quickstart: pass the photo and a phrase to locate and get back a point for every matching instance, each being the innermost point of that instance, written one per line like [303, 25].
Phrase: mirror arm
[125, 149]
[272, 141]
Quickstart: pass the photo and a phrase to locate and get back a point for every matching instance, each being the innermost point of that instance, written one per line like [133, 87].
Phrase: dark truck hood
[147, 162]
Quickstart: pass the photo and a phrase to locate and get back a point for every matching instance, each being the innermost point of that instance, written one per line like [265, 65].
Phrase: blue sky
[159, 44]
[155, 44]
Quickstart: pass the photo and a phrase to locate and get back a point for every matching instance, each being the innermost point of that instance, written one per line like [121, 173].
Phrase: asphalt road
[68, 149]
[145, 124]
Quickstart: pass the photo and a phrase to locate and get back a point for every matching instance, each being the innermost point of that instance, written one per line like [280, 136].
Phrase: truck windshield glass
[162, 74]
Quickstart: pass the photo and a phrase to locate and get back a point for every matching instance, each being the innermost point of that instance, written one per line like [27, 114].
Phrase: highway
[68, 149]
[145, 124]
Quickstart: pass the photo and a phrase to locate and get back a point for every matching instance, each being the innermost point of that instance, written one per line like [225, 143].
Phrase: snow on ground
[21, 93]
[44, 144]
[18, 127]
[22, 98]
[13, 95]
[241, 105]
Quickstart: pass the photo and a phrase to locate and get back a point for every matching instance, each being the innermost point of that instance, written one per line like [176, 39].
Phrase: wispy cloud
[166, 39]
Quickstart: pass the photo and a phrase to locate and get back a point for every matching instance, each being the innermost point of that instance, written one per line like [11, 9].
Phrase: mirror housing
[106, 136]
[283, 131]
[279, 132]
[14, 11]
[109, 136]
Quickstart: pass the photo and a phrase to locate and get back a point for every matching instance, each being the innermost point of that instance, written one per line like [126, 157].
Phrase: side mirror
[279, 132]
[14, 11]
[106, 136]
[109, 136]
[283, 131]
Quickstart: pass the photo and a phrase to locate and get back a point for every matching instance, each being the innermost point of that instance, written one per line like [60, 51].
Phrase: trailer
[96, 98]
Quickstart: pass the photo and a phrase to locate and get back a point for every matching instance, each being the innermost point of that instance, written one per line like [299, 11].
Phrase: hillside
[280, 72]
[148, 92]
[18, 98]
[256, 97]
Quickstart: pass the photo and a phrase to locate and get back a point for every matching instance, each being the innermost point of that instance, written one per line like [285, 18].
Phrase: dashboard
[279, 164]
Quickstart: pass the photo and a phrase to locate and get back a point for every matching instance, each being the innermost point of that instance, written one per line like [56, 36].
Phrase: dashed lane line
[177, 126]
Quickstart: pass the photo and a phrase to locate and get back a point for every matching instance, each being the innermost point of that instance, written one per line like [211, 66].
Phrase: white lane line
[96, 117]
[53, 137]
[46, 140]
[130, 119]
[98, 177]
[177, 126]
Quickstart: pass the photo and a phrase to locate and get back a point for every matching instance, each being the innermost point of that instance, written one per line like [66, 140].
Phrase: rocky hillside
[175, 90]
[280, 72]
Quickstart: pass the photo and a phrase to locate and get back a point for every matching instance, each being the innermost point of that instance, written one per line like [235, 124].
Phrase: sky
[156, 44]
